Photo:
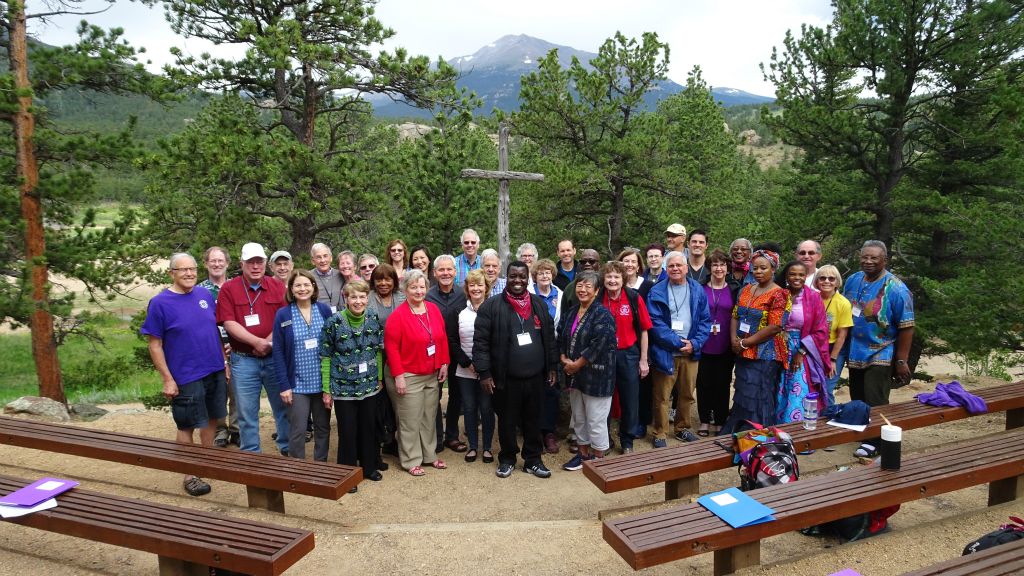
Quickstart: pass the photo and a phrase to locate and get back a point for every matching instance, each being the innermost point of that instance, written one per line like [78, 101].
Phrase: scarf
[521, 304]
[745, 267]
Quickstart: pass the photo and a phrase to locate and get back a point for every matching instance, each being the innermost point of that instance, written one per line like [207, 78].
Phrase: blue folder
[736, 507]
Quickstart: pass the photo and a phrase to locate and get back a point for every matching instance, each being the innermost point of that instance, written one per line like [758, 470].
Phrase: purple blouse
[720, 304]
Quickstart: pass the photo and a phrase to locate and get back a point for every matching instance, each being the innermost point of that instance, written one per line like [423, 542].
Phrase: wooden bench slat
[681, 531]
[694, 458]
[254, 547]
[265, 471]
[1004, 560]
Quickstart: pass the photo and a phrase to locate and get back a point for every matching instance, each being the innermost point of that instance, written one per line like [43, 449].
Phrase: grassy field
[93, 373]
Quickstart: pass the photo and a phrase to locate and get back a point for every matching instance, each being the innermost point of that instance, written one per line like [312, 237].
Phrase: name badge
[252, 320]
[312, 343]
[524, 339]
[363, 367]
[334, 309]
[745, 327]
[856, 311]
[716, 327]
[678, 325]
[431, 349]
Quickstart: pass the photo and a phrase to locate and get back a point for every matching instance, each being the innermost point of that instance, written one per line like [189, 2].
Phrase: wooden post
[680, 487]
[503, 175]
[174, 567]
[272, 500]
[737, 558]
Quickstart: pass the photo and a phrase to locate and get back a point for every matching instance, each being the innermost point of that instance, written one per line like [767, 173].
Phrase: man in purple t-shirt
[185, 347]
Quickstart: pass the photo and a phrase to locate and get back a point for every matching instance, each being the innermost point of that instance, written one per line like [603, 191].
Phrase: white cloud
[728, 39]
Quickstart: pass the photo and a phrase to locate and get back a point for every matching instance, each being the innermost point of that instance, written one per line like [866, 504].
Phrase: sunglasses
[367, 267]
[826, 278]
[807, 252]
[398, 250]
[588, 261]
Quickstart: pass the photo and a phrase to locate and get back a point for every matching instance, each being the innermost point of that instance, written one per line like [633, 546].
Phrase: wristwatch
[901, 362]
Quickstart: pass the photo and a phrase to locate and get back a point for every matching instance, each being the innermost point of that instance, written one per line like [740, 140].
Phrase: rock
[87, 412]
[750, 138]
[44, 408]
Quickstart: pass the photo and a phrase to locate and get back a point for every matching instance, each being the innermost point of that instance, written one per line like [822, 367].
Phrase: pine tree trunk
[44, 346]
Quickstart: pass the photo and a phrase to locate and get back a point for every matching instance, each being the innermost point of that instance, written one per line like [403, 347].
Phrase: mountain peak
[516, 52]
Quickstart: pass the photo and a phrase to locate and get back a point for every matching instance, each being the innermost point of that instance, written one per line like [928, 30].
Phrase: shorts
[200, 401]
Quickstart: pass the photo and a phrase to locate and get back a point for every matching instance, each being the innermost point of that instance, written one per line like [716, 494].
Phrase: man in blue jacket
[682, 322]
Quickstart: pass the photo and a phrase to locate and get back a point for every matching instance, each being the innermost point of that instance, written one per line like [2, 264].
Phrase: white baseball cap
[253, 250]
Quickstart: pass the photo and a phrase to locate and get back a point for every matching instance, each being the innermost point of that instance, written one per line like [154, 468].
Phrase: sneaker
[866, 451]
[550, 443]
[538, 469]
[309, 436]
[660, 443]
[234, 438]
[686, 436]
[505, 469]
[627, 450]
[574, 464]
[221, 442]
[195, 486]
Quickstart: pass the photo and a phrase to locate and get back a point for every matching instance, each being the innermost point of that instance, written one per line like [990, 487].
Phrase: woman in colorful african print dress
[806, 332]
[759, 344]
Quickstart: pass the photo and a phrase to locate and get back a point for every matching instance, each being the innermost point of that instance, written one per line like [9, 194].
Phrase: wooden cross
[502, 175]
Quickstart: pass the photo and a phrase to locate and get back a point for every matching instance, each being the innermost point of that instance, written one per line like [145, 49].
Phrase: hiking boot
[550, 443]
[195, 486]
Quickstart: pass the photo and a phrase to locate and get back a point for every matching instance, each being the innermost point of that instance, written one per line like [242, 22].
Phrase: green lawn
[93, 373]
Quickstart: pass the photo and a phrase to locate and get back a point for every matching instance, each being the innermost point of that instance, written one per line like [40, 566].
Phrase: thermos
[892, 440]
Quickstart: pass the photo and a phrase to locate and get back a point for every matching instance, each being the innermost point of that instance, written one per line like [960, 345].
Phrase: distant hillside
[493, 73]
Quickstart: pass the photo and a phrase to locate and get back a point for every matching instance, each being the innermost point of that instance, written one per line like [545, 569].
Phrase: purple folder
[38, 491]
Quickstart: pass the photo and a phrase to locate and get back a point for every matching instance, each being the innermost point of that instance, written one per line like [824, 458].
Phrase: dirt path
[465, 521]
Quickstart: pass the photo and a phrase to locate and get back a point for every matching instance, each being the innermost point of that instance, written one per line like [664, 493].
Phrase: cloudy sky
[727, 38]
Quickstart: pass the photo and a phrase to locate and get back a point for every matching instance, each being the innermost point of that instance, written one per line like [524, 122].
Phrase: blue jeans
[249, 375]
[627, 382]
[477, 406]
[830, 385]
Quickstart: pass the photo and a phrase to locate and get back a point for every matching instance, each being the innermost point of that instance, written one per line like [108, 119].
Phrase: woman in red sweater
[417, 354]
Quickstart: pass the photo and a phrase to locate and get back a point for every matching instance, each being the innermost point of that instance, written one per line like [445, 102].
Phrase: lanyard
[252, 301]
[425, 325]
[325, 284]
[672, 297]
[828, 307]
[714, 301]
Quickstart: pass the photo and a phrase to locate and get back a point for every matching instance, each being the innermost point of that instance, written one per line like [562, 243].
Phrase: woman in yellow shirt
[839, 313]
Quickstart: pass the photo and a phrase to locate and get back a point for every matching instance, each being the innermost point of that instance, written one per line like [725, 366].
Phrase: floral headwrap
[768, 255]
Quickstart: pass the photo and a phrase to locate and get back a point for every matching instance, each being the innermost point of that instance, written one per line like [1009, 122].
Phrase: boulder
[87, 412]
[43, 408]
[750, 138]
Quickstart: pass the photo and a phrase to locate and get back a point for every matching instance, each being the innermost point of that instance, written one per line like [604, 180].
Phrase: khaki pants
[416, 411]
[684, 381]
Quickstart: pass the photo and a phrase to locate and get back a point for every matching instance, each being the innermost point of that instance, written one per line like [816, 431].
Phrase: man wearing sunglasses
[589, 260]
[467, 261]
[808, 252]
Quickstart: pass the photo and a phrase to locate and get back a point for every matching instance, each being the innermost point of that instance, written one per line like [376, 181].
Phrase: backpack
[855, 527]
[769, 463]
[1007, 533]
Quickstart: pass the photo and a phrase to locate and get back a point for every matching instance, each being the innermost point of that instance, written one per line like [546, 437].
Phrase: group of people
[376, 343]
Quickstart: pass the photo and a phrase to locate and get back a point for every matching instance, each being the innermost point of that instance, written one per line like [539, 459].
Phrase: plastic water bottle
[810, 406]
[892, 442]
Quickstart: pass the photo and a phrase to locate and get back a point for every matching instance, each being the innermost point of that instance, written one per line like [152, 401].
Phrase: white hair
[178, 256]
[318, 247]
[449, 257]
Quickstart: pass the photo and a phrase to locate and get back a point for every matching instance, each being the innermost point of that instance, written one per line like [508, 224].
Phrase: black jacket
[495, 332]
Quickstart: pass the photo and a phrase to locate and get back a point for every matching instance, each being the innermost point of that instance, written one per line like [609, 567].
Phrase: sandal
[866, 451]
[487, 457]
[439, 464]
[456, 445]
[471, 455]
[703, 432]
[417, 471]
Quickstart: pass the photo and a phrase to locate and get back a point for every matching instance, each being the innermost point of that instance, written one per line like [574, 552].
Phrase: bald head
[589, 259]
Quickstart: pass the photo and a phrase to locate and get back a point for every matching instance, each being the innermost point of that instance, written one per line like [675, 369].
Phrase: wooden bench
[1004, 560]
[689, 529]
[680, 466]
[265, 476]
[186, 541]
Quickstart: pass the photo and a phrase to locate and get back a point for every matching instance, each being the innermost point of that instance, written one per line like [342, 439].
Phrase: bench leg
[272, 500]
[1006, 490]
[175, 567]
[1014, 418]
[737, 558]
[675, 489]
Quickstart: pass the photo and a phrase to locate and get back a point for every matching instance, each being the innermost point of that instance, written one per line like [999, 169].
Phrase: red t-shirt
[623, 314]
[237, 300]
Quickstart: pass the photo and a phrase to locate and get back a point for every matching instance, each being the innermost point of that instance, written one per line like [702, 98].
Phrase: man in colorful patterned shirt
[883, 327]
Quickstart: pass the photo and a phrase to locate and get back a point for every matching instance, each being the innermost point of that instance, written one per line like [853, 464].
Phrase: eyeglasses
[826, 279]
[367, 267]
[193, 269]
[397, 249]
[470, 242]
[588, 260]
[807, 252]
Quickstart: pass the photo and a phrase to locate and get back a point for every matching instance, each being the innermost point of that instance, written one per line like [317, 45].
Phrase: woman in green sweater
[353, 341]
